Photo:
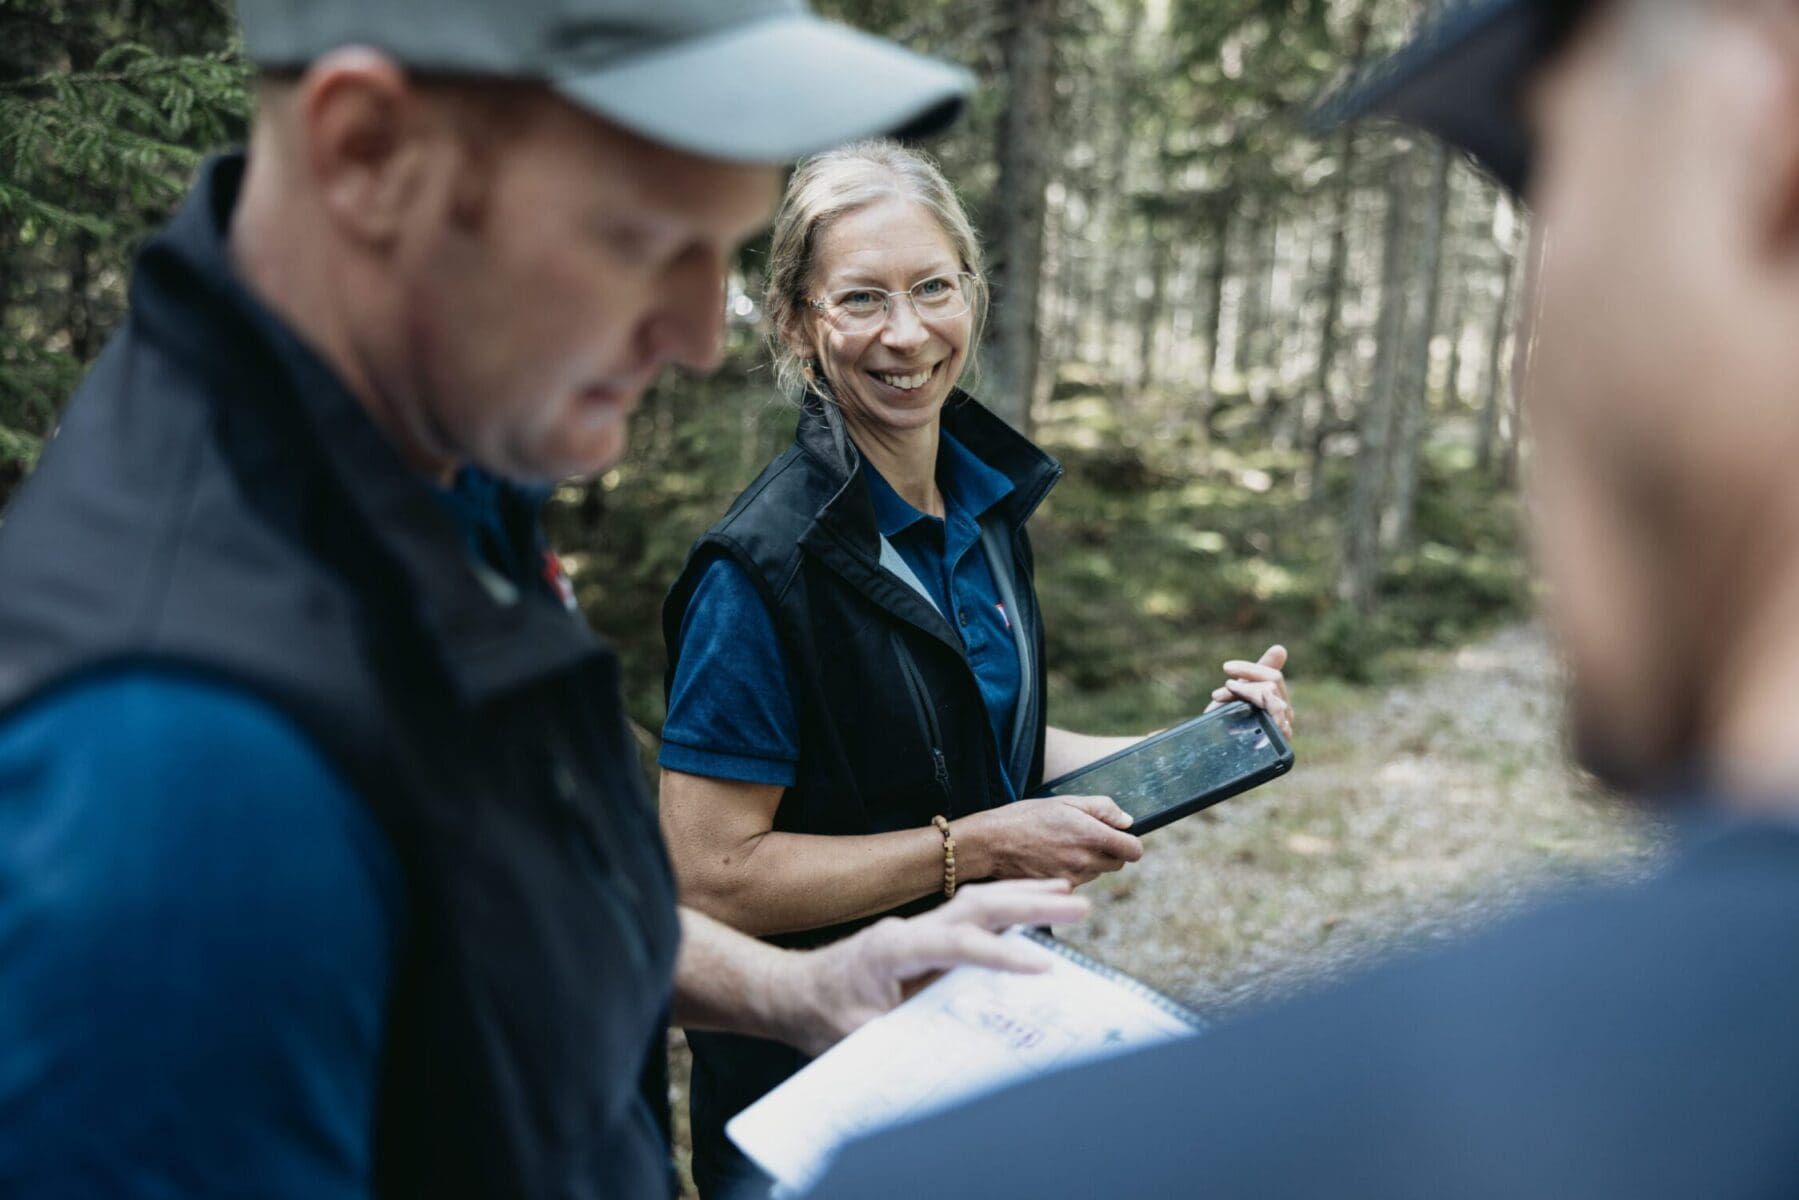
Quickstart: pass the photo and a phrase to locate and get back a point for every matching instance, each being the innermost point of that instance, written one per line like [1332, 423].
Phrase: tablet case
[1281, 764]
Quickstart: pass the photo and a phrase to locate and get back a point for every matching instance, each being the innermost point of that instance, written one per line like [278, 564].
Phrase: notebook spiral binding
[1136, 987]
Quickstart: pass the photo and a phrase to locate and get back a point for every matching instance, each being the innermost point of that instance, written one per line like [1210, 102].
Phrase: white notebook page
[971, 1031]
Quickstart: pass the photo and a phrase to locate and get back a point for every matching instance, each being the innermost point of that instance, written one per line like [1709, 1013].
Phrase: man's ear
[369, 139]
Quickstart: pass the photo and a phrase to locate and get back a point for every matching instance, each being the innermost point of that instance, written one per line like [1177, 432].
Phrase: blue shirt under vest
[730, 711]
[186, 881]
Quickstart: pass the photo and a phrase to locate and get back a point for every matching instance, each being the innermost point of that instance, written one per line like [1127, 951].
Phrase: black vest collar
[850, 516]
[846, 535]
[187, 298]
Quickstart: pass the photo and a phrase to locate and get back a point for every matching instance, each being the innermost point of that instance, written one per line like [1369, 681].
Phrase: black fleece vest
[217, 503]
[892, 728]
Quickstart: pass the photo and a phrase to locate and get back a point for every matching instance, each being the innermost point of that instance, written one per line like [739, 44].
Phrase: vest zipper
[927, 720]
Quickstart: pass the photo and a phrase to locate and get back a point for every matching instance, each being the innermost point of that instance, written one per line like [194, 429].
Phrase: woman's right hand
[1076, 838]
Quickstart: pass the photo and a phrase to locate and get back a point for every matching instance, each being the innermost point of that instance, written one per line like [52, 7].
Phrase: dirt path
[1414, 812]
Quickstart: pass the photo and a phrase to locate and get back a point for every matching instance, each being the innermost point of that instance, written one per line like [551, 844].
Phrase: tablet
[1179, 771]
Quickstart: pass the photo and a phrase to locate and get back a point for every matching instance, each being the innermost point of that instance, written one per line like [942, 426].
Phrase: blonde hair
[832, 185]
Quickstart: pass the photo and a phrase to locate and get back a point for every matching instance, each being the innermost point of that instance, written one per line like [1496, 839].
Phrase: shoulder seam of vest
[775, 470]
[789, 568]
[776, 589]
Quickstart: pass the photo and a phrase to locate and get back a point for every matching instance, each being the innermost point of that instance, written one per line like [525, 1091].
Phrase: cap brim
[1463, 80]
[775, 90]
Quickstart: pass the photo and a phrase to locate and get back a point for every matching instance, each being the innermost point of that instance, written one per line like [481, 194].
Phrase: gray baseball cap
[1463, 78]
[761, 81]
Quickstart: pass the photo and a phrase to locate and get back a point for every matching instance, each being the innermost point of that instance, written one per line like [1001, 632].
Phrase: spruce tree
[106, 109]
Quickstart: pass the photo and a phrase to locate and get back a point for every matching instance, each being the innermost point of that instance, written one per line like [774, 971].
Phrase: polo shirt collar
[969, 484]
[894, 514]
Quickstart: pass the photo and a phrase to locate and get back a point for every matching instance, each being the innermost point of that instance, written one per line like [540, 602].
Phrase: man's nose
[689, 328]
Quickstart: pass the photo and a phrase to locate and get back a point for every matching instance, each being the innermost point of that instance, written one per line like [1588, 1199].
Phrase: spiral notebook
[969, 1032]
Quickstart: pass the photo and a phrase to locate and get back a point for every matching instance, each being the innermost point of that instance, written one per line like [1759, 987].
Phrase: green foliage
[105, 110]
[1349, 646]
[1180, 536]
[1161, 554]
[1466, 570]
[102, 150]
[624, 536]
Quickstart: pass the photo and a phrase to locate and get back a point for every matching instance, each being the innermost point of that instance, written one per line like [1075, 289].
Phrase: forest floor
[1416, 811]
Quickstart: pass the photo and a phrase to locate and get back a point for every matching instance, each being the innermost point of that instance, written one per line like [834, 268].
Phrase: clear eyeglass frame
[944, 307]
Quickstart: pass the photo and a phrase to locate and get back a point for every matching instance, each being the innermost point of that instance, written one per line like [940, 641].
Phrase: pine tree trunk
[1414, 397]
[1215, 281]
[1149, 318]
[1151, 312]
[1116, 226]
[1318, 405]
[1361, 535]
[1494, 395]
[78, 314]
[1521, 356]
[1452, 386]
[1252, 313]
[1016, 222]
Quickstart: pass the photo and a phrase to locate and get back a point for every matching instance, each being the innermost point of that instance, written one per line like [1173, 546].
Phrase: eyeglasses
[864, 310]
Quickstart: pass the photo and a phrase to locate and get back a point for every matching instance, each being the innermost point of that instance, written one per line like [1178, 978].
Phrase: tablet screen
[1195, 759]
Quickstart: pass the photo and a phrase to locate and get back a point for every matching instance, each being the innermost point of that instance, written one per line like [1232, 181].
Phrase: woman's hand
[1259, 683]
[852, 981]
[1076, 838]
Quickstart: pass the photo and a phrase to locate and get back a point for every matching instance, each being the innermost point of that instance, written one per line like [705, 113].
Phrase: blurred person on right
[1632, 1040]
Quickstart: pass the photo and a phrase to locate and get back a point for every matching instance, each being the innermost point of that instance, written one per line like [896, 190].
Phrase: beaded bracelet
[949, 856]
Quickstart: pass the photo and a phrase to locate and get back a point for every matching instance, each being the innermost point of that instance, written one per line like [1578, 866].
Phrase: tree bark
[1018, 208]
[78, 312]
[1153, 308]
[1494, 397]
[1452, 388]
[1215, 281]
[1149, 318]
[1414, 396]
[1117, 225]
[1252, 314]
[1514, 446]
[1360, 572]
[1318, 404]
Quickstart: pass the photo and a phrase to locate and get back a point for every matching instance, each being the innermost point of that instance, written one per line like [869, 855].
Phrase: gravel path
[1413, 812]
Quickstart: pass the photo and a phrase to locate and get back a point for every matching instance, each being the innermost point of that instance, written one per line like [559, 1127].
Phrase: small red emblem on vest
[558, 579]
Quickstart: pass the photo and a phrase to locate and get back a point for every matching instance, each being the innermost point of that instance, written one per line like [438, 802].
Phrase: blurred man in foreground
[325, 863]
[1632, 1041]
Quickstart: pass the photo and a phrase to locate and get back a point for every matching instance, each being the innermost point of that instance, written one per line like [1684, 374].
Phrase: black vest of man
[217, 502]
[892, 727]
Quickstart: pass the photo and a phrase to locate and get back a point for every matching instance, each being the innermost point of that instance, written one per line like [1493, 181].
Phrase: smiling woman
[856, 657]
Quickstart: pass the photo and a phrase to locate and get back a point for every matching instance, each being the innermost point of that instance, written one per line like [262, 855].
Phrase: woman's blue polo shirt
[730, 711]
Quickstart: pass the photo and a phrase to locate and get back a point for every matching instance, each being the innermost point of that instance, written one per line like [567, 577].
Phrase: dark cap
[1462, 78]
[743, 80]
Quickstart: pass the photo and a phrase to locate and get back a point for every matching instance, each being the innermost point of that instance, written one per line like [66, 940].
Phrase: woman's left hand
[1259, 683]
